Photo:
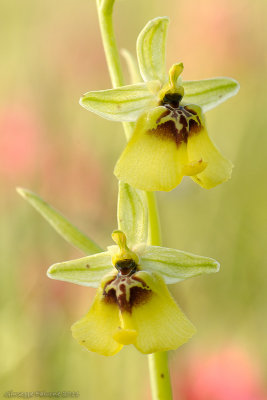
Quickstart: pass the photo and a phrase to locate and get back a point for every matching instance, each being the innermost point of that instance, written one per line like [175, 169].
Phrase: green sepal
[209, 93]
[86, 271]
[125, 103]
[175, 265]
[132, 214]
[68, 231]
[151, 50]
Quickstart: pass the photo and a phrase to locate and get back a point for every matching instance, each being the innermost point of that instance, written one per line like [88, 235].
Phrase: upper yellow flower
[170, 139]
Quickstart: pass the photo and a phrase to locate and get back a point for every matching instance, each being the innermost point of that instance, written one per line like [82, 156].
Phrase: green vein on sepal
[86, 271]
[176, 265]
[151, 49]
[125, 103]
[208, 93]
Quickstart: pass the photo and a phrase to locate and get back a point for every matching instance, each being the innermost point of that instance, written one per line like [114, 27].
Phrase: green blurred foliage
[50, 54]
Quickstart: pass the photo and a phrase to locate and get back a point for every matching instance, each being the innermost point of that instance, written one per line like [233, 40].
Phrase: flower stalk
[158, 362]
[105, 13]
[167, 139]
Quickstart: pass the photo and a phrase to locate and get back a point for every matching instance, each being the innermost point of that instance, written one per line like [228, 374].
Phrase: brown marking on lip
[182, 122]
[184, 131]
[166, 130]
[87, 266]
[136, 278]
[187, 108]
[186, 112]
[110, 296]
[194, 127]
[164, 114]
[137, 295]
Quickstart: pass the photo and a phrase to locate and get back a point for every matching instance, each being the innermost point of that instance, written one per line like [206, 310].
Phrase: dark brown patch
[182, 122]
[167, 130]
[110, 296]
[190, 110]
[126, 267]
[164, 114]
[87, 266]
[194, 127]
[136, 278]
[183, 133]
[137, 296]
[186, 112]
[172, 99]
[162, 375]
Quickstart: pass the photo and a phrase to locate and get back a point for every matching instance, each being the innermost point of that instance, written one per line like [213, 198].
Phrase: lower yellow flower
[133, 309]
[170, 142]
[132, 303]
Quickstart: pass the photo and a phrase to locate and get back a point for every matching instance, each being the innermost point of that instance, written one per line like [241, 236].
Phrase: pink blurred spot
[227, 375]
[19, 141]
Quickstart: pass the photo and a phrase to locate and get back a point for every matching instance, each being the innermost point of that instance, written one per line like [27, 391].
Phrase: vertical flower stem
[160, 376]
[154, 233]
[105, 10]
[158, 362]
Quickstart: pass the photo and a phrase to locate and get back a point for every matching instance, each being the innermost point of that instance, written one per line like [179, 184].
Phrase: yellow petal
[152, 160]
[95, 331]
[160, 323]
[218, 169]
[193, 168]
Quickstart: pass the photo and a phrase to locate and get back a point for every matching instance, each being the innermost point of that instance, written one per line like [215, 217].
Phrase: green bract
[65, 228]
[170, 139]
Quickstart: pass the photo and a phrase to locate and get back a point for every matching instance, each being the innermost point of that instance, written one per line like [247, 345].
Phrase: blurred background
[51, 53]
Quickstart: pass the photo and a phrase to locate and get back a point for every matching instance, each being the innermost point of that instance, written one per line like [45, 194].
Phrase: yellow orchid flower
[132, 304]
[170, 139]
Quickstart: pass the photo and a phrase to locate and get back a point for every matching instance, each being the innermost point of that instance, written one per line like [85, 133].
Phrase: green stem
[105, 10]
[158, 362]
[154, 237]
[160, 376]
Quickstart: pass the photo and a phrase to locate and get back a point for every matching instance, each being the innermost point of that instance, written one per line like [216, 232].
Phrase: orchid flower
[170, 138]
[132, 304]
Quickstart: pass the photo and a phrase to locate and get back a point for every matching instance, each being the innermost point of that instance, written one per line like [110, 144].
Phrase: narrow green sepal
[209, 93]
[65, 229]
[132, 214]
[86, 271]
[151, 50]
[175, 265]
[125, 103]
